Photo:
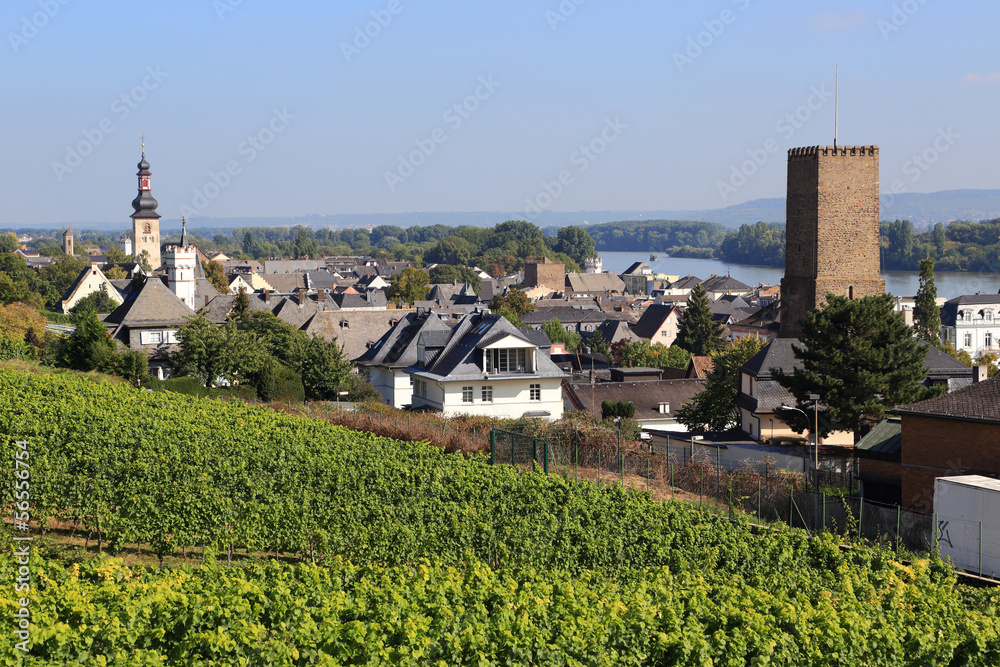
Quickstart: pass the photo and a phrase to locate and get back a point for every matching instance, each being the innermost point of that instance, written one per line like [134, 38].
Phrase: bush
[189, 386]
[280, 383]
[15, 349]
[612, 409]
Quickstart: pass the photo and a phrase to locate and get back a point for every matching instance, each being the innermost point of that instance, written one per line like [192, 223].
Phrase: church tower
[181, 263]
[68, 242]
[831, 229]
[145, 219]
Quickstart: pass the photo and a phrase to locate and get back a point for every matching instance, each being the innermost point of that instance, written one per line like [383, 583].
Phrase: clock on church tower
[145, 219]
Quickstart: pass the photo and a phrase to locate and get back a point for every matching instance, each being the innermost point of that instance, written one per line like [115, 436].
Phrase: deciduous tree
[409, 286]
[714, 408]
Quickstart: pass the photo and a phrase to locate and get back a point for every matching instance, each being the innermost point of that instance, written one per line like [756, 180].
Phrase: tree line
[761, 243]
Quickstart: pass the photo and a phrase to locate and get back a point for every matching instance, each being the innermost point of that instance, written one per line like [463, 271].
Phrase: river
[900, 283]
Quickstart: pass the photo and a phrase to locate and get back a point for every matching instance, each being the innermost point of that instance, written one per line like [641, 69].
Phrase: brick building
[954, 434]
[546, 272]
[832, 229]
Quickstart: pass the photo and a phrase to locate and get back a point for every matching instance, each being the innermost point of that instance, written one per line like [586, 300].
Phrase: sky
[252, 108]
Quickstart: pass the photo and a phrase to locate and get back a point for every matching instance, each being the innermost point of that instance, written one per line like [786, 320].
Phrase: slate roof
[565, 315]
[636, 269]
[725, 284]
[286, 282]
[322, 279]
[687, 282]
[882, 442]
[777, 354]
[152, 305]
[594, 282]
[460, 357]
[397, 348]
[615, 330]
[536, 336]
[367, 300]
[232, 266]
[647, 396]
[942, 366]
[949, 312]
[292, 265]
[979, 402]
[362, 328]
[651, 320]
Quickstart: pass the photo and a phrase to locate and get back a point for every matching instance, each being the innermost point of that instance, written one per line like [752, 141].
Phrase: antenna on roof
[836, 104]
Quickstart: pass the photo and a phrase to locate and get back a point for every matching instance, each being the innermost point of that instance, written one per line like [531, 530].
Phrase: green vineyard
[425, 558]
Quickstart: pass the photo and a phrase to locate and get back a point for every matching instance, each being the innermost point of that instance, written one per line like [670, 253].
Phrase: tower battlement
[805, 151]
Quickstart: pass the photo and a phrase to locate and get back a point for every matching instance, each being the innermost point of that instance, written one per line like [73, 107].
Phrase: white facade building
[485, 366]
[970, 323]
[386, 361]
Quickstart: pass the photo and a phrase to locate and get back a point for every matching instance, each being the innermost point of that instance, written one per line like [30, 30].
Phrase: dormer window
[988, 315]
[506, 360]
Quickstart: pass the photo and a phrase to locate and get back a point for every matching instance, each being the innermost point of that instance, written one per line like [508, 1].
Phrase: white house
[90, 281]
[485, 366]
[386, 361]
[970, 323]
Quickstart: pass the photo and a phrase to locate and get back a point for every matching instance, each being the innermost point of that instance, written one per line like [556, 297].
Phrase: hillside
[425, 557]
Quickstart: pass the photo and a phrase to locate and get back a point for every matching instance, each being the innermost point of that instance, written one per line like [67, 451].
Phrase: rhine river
[899, 283]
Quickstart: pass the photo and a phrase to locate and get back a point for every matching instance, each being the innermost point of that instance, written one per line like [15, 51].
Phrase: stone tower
[831, 231]
[145, 219]
[180, 262]
[68, 242]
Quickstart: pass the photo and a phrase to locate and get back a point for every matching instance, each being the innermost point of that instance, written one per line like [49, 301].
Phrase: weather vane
[142, 140]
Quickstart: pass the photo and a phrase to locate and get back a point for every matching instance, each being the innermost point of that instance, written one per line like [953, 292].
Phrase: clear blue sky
[909, 71]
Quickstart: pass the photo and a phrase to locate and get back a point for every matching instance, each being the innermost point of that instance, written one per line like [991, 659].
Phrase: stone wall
[832, 229]
[548, 273]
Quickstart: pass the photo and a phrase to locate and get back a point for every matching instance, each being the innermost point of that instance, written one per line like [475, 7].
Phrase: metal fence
[761, 490]
[518, 449]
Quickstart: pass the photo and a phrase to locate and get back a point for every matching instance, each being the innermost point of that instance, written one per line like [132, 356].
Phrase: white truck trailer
[967, 511]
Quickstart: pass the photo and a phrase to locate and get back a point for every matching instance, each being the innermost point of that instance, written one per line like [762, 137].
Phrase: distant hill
[921, 209]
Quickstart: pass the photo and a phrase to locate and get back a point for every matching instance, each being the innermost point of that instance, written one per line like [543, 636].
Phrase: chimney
[206, 299]
[267, 296]
[979, 373]
[320, 295]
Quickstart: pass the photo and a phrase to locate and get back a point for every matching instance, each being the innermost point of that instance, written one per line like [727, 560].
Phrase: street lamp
[789, 407]
[815, 399]
[815, 433]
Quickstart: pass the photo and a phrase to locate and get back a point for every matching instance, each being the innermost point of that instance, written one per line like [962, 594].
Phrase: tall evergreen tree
[241, 305]
[861, 358]
[926, 315]
[699, 334]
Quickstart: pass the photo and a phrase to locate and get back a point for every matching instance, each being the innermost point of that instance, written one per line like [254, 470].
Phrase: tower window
[850, 292]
